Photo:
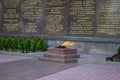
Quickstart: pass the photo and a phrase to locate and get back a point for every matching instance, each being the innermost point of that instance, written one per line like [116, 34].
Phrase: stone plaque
[61, 19]
[82, 17]
[56, 17]
[0, 16]
[31, 16]
[11, 16]
[109, 18]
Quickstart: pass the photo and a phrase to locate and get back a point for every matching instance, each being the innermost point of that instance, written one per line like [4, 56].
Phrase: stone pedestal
[61, 55]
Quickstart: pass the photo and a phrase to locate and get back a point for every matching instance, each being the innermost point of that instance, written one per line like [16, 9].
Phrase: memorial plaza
[59, 39]
[88, 67]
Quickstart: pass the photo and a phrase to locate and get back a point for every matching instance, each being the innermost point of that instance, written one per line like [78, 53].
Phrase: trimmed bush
[0, 43]
[20, 45]
[33, 44]
[9, 42]
[118, 50]
[43, 44]
[3, 42]
[38, 46]
[27, 44]
[15, 42]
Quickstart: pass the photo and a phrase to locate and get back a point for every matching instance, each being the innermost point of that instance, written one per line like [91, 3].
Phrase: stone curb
[35, 54]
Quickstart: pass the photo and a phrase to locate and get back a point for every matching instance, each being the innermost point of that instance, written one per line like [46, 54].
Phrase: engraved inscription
[11, 3]
[82, 17]
[31, 14]
[109, 18]
[55, 17]
[11, 16]
[0, 16]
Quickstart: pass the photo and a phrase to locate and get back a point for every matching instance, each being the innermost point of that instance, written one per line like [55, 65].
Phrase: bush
[15, 42]
[3, 42]
[41, 45]
[20, 43]
[9, 42]
[27, 44]
[116, 59]
[33, 44]
[118, 50]
[38, 46]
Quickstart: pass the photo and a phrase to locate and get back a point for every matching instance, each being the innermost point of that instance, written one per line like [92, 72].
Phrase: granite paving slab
[30, 69]
[8, 58]
[87, 72]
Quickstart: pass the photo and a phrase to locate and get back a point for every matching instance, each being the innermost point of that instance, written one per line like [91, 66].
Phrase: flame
[67, 43]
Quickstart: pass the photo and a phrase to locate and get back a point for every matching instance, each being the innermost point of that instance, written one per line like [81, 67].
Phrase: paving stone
[29, 69]
[9, 58]
[89, 67]
[87, 72]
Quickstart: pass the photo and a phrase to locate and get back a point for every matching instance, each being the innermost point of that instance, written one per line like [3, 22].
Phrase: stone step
[59, 56]
[73, 60]
[62, 51]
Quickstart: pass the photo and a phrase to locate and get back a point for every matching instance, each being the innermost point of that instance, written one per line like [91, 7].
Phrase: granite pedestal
[61, 55]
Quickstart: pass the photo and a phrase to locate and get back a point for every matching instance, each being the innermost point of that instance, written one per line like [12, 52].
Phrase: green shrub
[116, 59]
[3, 42]
[38, 46]
[0, 43]
[9, 42]
[27, 44]
[43, 45]
[118, 50]
[33, 44]
[14, 43]
[20, 43]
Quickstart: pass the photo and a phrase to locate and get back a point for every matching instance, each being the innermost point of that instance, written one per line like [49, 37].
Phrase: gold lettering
[55, 15]
[82, 15]
[109, 18]
[31, 12]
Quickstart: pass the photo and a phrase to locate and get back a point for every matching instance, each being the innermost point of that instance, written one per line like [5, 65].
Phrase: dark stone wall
[53, 19]
[0, 15]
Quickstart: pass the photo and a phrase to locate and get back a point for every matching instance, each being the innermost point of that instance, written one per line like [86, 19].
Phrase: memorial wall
[71, 18]
[109, 18]
[82, 17]
[31, 14]
[56, 17]
[0, 15]
[11, 17]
